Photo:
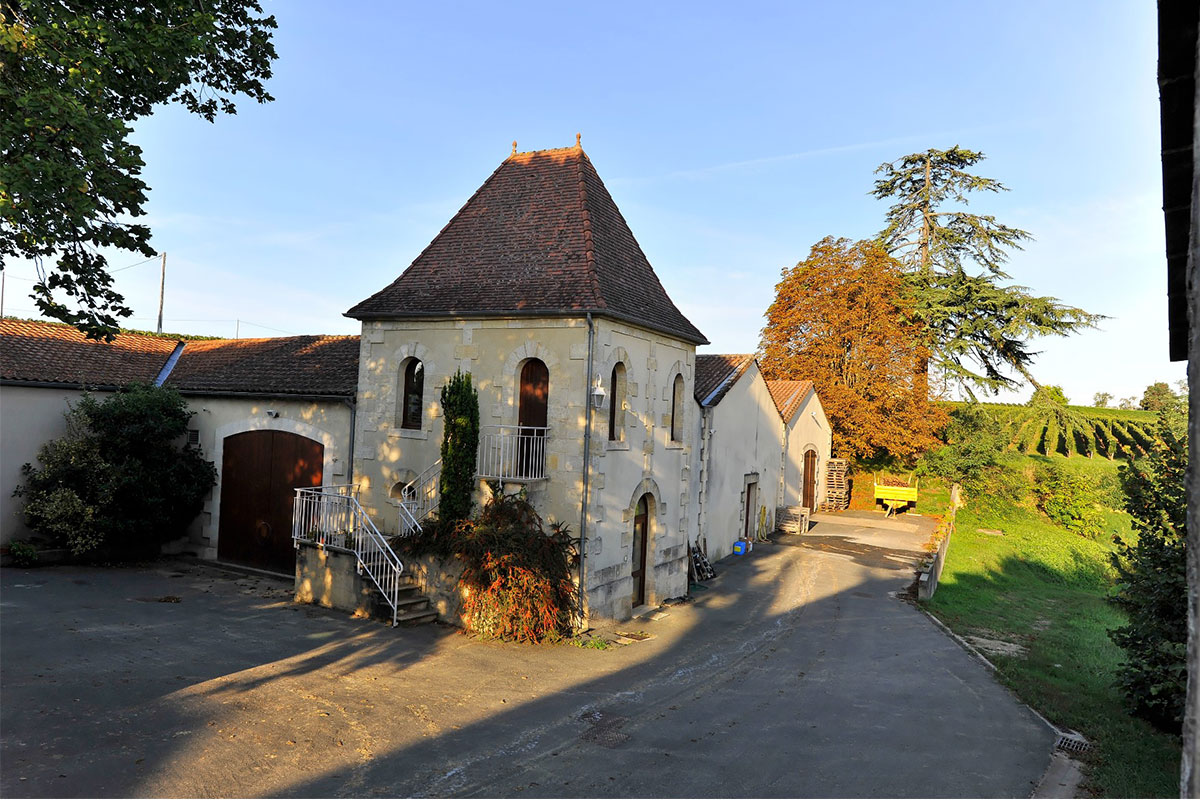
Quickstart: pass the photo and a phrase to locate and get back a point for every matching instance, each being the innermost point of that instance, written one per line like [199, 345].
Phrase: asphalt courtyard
[799, 671]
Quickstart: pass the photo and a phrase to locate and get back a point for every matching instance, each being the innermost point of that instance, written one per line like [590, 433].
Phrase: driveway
[796, 672]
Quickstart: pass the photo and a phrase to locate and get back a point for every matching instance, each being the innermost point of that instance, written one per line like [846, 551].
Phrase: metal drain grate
[1073, 744]
[605, 729]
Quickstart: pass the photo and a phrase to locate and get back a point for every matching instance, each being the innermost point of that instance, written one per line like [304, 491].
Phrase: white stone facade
[741, 460]
[643, 459]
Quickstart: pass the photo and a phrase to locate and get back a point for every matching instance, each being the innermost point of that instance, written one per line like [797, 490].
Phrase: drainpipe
[353, 406]
[587, 468]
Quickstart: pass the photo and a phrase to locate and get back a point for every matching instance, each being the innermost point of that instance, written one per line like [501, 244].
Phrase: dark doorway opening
[751, 511]
[641, 533]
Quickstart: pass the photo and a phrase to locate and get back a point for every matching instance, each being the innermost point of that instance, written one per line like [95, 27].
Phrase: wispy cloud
[751, 163]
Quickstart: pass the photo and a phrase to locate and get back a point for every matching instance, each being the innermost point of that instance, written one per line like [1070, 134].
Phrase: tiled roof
[301, 365]
[788, 395]
[50, 352]
[718, 373]
[542, 236]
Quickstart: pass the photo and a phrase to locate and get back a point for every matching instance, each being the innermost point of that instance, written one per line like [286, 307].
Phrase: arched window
[532, 417]
[616, 407]
[411, 398]
[677, 410]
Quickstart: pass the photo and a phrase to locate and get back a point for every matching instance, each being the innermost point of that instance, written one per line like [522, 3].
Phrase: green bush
[972, 443]
[118, 483]
[23, 554]
[460, 445]
[1069, 499]
[1152, 578]
[1048, 395]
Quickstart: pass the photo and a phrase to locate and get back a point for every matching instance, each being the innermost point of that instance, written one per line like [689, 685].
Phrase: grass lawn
[1043, 589]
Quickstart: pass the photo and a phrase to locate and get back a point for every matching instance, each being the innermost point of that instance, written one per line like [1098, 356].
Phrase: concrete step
[412, 607]
[416, 617]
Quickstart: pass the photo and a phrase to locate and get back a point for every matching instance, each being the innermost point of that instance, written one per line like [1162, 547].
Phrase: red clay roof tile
[301, 365]
[718, 372]
[788, 395]
[47, 352]
[541, 236]
[51, 352]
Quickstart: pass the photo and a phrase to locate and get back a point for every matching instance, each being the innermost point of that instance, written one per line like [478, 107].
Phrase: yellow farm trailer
[896, 497]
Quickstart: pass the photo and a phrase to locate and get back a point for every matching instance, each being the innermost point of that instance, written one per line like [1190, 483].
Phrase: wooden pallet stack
[837, 485]
[792, 519]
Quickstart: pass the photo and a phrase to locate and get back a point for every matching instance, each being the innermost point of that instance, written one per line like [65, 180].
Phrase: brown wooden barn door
[641, 522]
[532, 413]
[260, 471]
[810, 479]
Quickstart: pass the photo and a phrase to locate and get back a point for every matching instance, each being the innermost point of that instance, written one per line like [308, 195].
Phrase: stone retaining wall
[932, 572]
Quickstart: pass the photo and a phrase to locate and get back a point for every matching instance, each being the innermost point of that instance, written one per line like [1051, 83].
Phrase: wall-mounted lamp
[598, 394]
[272, 413]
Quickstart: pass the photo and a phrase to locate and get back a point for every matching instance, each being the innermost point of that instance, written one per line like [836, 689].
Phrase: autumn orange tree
[841, 319]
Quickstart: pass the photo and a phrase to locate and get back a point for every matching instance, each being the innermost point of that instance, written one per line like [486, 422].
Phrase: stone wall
[643, 459]
[438, 580]
[745, 443]
[328, 577]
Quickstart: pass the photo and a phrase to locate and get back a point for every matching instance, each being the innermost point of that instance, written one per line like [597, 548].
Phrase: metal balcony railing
[512, 452]
[420, 499]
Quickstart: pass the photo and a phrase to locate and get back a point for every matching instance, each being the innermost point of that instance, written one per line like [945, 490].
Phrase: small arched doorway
[260, 471]
[641, 535]
[531, 417]
[810, 479]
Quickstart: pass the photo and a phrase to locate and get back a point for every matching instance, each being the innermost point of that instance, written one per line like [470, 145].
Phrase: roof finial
[514, 152]
[578, 136]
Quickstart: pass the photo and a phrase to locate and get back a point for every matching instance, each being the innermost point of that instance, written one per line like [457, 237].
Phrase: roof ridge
[589, 248]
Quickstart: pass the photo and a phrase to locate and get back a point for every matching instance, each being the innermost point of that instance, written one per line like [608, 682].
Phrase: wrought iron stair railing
[332, 516]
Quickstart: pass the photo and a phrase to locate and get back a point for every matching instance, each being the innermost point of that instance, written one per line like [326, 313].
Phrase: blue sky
[732, 138]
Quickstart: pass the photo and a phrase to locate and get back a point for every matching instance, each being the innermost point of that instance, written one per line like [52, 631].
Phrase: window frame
[408, 391]
[677, 392]
[616, 409]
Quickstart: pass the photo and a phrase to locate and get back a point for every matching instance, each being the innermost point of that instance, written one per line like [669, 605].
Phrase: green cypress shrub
[460, 445]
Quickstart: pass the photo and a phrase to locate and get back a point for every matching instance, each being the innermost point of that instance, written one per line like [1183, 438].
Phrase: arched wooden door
[810, 479]
[532, 413]
[641, 533]
[260, 471]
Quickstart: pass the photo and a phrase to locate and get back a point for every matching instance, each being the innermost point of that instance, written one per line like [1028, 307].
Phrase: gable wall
[808, 430]
[745, 441]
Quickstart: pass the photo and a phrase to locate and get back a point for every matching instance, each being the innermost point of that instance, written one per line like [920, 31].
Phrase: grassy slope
[1044, 588]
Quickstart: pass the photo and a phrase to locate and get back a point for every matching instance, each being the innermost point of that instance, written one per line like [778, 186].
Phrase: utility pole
[162, 283]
